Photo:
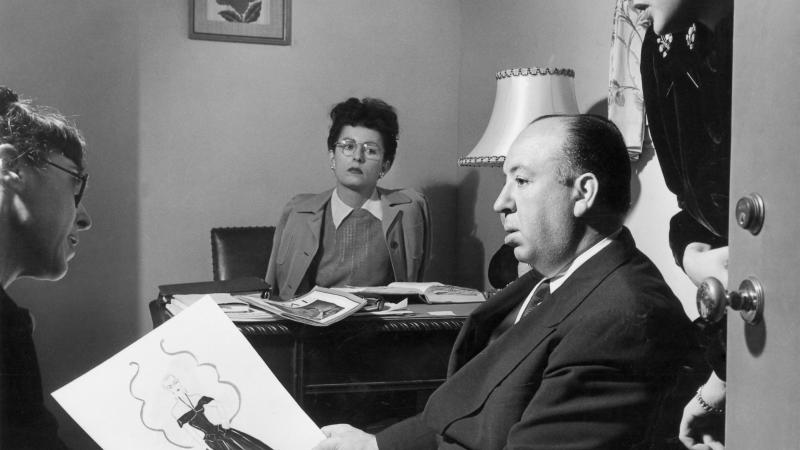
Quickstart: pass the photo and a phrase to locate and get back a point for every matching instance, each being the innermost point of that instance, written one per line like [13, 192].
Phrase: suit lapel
[588, 276]
[306, 244]
[391, 201]
[484, 319]
[476, 369]
[315, 225]
[315, 206]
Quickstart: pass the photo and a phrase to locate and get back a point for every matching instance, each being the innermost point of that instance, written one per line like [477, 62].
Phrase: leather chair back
[240, 251]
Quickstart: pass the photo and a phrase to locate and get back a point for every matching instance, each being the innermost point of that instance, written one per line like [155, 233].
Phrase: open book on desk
[432, 293]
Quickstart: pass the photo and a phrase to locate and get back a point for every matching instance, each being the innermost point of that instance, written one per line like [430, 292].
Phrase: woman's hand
[701, 262]
[345, 437]
[701, 429]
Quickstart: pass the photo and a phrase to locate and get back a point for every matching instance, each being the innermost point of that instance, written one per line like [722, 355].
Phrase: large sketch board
[193, 378]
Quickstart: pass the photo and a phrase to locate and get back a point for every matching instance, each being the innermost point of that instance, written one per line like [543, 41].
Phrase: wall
[80, 56]
[523, 33]
[229, 132]
[185, 135]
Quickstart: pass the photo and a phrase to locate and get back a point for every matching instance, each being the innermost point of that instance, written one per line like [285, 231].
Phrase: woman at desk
[42, 180]
[356, 233]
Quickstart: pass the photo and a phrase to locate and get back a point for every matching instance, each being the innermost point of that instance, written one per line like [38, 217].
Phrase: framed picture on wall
[252, 21]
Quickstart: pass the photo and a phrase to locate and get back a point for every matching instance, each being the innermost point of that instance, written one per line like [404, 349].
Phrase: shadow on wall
[92, 78]
[647, 155]
[469, 266]
[456, 254]
[443, 204]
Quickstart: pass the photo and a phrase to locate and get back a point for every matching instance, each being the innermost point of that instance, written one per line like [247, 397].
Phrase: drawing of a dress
[216, 436]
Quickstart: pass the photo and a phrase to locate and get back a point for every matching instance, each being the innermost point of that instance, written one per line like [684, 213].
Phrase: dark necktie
[541, 293]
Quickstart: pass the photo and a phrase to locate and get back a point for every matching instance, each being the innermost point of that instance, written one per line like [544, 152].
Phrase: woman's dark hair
[371, 113]
[36, 130]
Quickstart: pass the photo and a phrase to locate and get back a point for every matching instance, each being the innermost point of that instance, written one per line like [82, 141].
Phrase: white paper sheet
[135, 399]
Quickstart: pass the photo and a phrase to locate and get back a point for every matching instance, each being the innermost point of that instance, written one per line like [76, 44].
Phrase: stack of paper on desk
[226, 302]
[235, 286]
[193, 382]
[233, 306]
[432, 292]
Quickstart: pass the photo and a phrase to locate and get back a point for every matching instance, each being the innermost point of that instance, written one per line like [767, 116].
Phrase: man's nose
[82, 219]
[503, 204]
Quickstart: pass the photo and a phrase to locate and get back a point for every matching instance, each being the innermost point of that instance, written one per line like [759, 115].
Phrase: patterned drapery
[625, 99]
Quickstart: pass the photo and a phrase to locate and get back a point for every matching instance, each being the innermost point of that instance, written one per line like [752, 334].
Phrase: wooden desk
[367, 371]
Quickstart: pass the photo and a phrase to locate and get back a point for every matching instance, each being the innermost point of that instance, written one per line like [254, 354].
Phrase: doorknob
[712, 299]
[750, 213]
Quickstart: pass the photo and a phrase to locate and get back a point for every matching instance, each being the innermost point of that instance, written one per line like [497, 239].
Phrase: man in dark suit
[582, 358]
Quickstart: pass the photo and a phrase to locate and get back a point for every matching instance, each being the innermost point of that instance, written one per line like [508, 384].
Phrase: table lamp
[523, 94]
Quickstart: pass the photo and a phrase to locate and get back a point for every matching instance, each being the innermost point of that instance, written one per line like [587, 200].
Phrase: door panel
[764, 360]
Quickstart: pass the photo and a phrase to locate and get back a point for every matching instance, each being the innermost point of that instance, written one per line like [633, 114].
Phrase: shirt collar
[340, 210]
[561, 277]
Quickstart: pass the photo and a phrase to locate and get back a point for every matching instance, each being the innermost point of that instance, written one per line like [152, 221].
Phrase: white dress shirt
[340, 210]
[560, 278]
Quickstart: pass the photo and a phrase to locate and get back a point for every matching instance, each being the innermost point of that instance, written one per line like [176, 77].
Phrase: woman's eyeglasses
[79, 176]
[348, 147]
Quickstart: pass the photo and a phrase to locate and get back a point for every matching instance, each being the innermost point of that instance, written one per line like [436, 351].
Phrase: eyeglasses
[82, 177]
[348, 148]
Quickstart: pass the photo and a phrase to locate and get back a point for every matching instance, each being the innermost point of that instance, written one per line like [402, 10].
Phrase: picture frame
[249, 21]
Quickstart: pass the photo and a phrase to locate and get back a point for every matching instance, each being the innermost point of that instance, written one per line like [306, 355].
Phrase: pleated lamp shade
[523, 94]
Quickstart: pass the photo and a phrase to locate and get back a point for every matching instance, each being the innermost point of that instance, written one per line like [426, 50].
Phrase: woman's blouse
[354, 253]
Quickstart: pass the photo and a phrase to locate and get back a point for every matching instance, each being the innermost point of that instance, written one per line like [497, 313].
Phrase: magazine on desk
[319, 307]
[431, 293]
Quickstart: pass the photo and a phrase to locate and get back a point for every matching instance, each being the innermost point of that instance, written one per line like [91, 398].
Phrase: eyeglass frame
[83, 177]
[362, 146]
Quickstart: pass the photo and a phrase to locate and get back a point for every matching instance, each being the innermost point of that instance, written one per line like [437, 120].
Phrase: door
[763, 371]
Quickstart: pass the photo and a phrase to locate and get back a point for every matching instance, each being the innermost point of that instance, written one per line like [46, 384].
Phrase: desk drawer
[370, 356]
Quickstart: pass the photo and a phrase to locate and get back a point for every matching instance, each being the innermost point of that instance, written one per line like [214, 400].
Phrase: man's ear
[386, 166]
[584, 190]
[9, 163]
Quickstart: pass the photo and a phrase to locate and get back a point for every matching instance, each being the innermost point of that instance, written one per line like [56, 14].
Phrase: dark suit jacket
[588, 369]
[406, 226]
[25, 423]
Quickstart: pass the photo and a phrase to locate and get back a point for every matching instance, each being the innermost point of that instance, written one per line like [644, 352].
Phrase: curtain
[625, 99]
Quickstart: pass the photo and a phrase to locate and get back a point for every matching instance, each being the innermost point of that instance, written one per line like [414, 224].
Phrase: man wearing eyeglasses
[46, 179]
[42, 182]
